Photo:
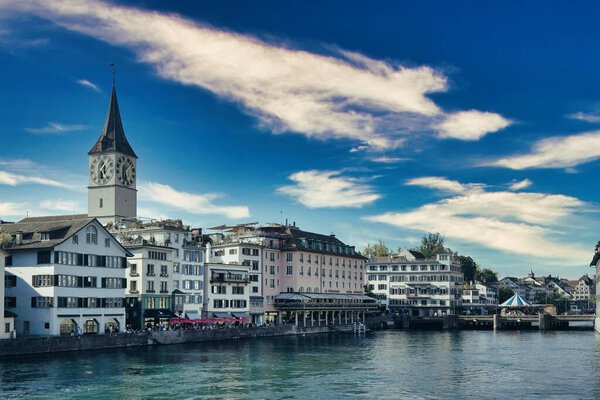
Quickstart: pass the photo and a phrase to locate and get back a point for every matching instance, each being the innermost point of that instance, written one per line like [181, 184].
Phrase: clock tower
[112, 194]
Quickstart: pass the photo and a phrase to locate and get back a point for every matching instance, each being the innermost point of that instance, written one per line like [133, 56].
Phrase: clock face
[125, 171]
[102, 169]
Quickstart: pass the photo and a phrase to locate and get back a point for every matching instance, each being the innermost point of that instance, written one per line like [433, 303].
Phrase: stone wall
[37, 345]
[54, 344]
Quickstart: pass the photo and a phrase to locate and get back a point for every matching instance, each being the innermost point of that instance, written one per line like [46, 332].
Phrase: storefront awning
[192, 315]
[240, 314]
[221, 315]
[159, 313]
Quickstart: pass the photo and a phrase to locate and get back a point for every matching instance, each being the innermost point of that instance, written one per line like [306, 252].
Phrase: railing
[314, 306]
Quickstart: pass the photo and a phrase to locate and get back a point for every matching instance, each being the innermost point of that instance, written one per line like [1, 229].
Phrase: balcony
[134, 274]
[150, 274]
[164, 291]
[134, 291]
[164, 274]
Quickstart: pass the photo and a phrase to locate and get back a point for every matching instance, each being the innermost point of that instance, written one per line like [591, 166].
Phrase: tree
[554, 298]
[504, 293]
[431, 245]
[379, 250]
[4, 238]
[469, 268]
[486, 275]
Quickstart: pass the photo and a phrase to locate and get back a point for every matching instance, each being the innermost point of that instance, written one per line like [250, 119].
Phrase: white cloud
[343, 95]
[555, 152]
[328, 189]
[471, 125]
[192, 203]
[522, 223]
[8, 209]
[12, 179]
[68, 206]
[55, 128]
[593, 118]
[389, 160]
[445, 185]
[520, 185]
[88, 84]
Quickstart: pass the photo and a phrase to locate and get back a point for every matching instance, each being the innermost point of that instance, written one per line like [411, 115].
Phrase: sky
[371, 120]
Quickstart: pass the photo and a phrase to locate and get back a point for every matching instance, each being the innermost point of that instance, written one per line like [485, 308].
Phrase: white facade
[479, 298]
[410, 284]
[8, 324]
[227, 291]
[75, 286]
[167, 269]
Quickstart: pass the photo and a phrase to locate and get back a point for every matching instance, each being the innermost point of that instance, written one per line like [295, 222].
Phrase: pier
[542, 322]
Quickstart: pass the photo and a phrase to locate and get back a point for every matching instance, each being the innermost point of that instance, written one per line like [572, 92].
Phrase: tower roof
[113, 137]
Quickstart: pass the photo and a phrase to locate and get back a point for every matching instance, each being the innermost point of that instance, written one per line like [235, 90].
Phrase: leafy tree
[504, 293]
[486, 275]
[431, 245]
[379, 250]
[4, 238]
[469, 268]
[554, 298]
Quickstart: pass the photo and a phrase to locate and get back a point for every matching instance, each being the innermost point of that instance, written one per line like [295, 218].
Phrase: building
[409, 283]
[65, 274]
[112, 194]
[166, 272]
[7, 329]
[479, 299]
[293, 261]
[227, 291]
[241, 249]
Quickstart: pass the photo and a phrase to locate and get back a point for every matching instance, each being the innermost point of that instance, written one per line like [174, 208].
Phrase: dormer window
[45, 236]
[91, 235]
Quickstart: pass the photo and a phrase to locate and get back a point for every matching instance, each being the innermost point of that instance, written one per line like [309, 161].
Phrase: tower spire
[113, 136]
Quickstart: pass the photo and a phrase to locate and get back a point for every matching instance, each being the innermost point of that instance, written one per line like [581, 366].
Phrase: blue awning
[192, 315]
[221, 315]
[240, 314]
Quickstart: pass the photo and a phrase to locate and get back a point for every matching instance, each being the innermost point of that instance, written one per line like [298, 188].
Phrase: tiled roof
[59, 229]
[301, 240]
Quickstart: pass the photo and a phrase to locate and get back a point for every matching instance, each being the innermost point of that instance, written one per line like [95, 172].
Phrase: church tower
[112, 194]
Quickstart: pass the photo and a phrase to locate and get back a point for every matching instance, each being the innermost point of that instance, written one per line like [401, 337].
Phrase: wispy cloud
[89, 85]
[12, 179]
[343, 95]
[593, 117]
[521, 223]
[445, 185]
[388, 159]
[55, 128]
[328, 189]
[69, 206]
[192, 203]
[471, 125]
[555, 152]
[520, 185]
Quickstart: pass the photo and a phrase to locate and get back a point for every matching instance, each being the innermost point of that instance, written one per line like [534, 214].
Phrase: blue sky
[374, 121]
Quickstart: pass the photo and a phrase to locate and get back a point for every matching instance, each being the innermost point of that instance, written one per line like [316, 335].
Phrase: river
[381, 365]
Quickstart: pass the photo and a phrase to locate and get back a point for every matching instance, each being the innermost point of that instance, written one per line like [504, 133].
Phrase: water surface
[382, 365]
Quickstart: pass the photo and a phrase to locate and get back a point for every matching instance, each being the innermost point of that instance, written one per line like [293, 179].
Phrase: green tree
[504, 293]
[4, 238]
[486, 275]
[379, 250]
[469, 268]
[431, 245]
[554, 298]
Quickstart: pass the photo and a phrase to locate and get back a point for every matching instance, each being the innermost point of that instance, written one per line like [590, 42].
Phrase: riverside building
[325, 274]
[64, 275]
[7, 329]
[409, 283]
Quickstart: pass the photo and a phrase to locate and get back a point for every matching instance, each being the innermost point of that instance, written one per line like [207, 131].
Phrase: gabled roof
[301, 240]
[113, 137]
[58, 227]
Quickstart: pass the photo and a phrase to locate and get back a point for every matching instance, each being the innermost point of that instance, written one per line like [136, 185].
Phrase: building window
[7, 328]
[163, 287]
[150, 287]
[91, 235]
[150, 269]
[101, 203]
[237, 290]
[75, 239]
[290, 270]
[107, 242]
[290, 257]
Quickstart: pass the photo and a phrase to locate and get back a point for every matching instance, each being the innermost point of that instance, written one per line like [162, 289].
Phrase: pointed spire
[113, 137]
